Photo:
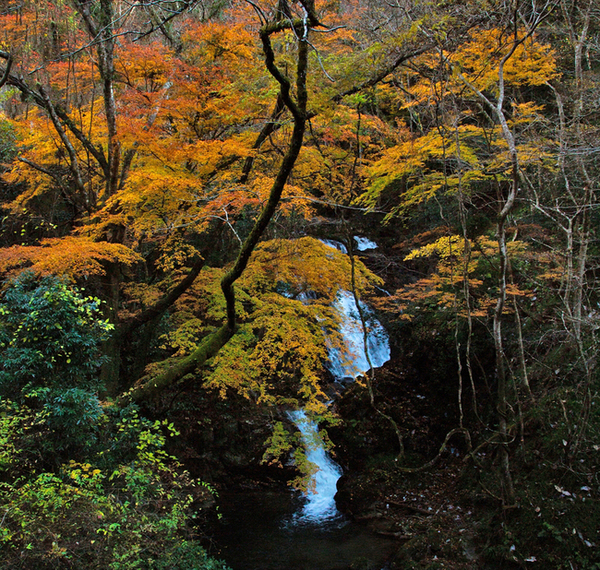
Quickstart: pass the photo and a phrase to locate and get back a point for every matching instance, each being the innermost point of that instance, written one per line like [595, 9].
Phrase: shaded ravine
[269, 530]
[259, 531]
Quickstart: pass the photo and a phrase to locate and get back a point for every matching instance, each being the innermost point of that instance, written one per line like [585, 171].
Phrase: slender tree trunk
[110, 372]
[99, 22]
[370, 375]
[506, 206]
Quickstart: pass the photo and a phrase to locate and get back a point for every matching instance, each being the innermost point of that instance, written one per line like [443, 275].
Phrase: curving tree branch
[149, 386]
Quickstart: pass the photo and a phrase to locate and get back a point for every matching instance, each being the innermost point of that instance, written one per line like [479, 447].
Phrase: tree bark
[298, 111]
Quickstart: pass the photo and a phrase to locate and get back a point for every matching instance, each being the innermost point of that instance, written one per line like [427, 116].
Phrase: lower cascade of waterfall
[320, 497]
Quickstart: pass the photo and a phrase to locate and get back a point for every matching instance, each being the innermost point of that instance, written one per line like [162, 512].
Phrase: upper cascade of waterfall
[355, 362]
[320, 498]
[335, 245]
[363, 243]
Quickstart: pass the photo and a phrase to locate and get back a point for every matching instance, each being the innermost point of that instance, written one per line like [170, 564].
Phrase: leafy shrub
[125, 506]
[83, 485]
[50, 336]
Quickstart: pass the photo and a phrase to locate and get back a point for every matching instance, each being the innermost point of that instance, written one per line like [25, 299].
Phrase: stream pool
[261, 530]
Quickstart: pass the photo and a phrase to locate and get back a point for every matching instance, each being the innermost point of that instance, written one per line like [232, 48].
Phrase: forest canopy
[171, 173]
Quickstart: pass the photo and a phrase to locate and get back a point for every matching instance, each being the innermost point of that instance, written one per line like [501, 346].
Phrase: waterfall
[320, 503]
[363, 243]
[319, 500]
[355, 362]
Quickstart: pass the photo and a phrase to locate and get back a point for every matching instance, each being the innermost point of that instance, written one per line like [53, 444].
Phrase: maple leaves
[153, 141]
[75, 257]
[304, 266]
[463, 153]
[463, 279]
[287, 322]
[532, 63]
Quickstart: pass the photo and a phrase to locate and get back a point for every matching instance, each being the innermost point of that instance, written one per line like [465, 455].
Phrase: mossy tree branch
[211, 345]
[150, 386]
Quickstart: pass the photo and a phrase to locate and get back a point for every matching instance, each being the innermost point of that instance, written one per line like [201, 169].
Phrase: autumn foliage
[183, 164]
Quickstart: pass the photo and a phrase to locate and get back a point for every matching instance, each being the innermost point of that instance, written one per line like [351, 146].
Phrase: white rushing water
[344, 365]
[320, 502]
[354, 362]
[363, 243]
[335, 244]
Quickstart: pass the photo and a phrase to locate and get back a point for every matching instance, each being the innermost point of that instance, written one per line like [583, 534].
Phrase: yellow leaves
[450, 158]
[286, 321]
[281, 355]
[176, 253]
[419, 167]
[304, 265]
[278, 444]
[82, 473]
[532, 63]
[75, 257]
[278, 357]
[526, 113]
[444, 247]
[460, 267]
[185, 338]
[465, 149]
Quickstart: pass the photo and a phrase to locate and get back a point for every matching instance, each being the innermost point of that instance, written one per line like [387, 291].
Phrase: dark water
[259, 531]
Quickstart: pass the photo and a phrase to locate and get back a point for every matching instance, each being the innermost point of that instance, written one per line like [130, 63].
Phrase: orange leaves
[459, 267]
[144, 66]
[71, 256]
[212, 42]
[187, 116]
[33, 29]
[169, 186]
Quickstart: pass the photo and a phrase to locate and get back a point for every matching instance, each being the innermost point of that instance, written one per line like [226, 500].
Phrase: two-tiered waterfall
[269, 530]
[354, 361]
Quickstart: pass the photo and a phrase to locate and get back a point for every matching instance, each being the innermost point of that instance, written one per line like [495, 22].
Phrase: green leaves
[50, 336]
[121, 504]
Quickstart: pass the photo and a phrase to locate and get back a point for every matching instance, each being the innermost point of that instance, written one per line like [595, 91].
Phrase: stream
[289, 530]
[260, 530]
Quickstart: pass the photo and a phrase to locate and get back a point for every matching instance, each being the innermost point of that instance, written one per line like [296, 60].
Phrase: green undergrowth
[126, 505]
[84, 484]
